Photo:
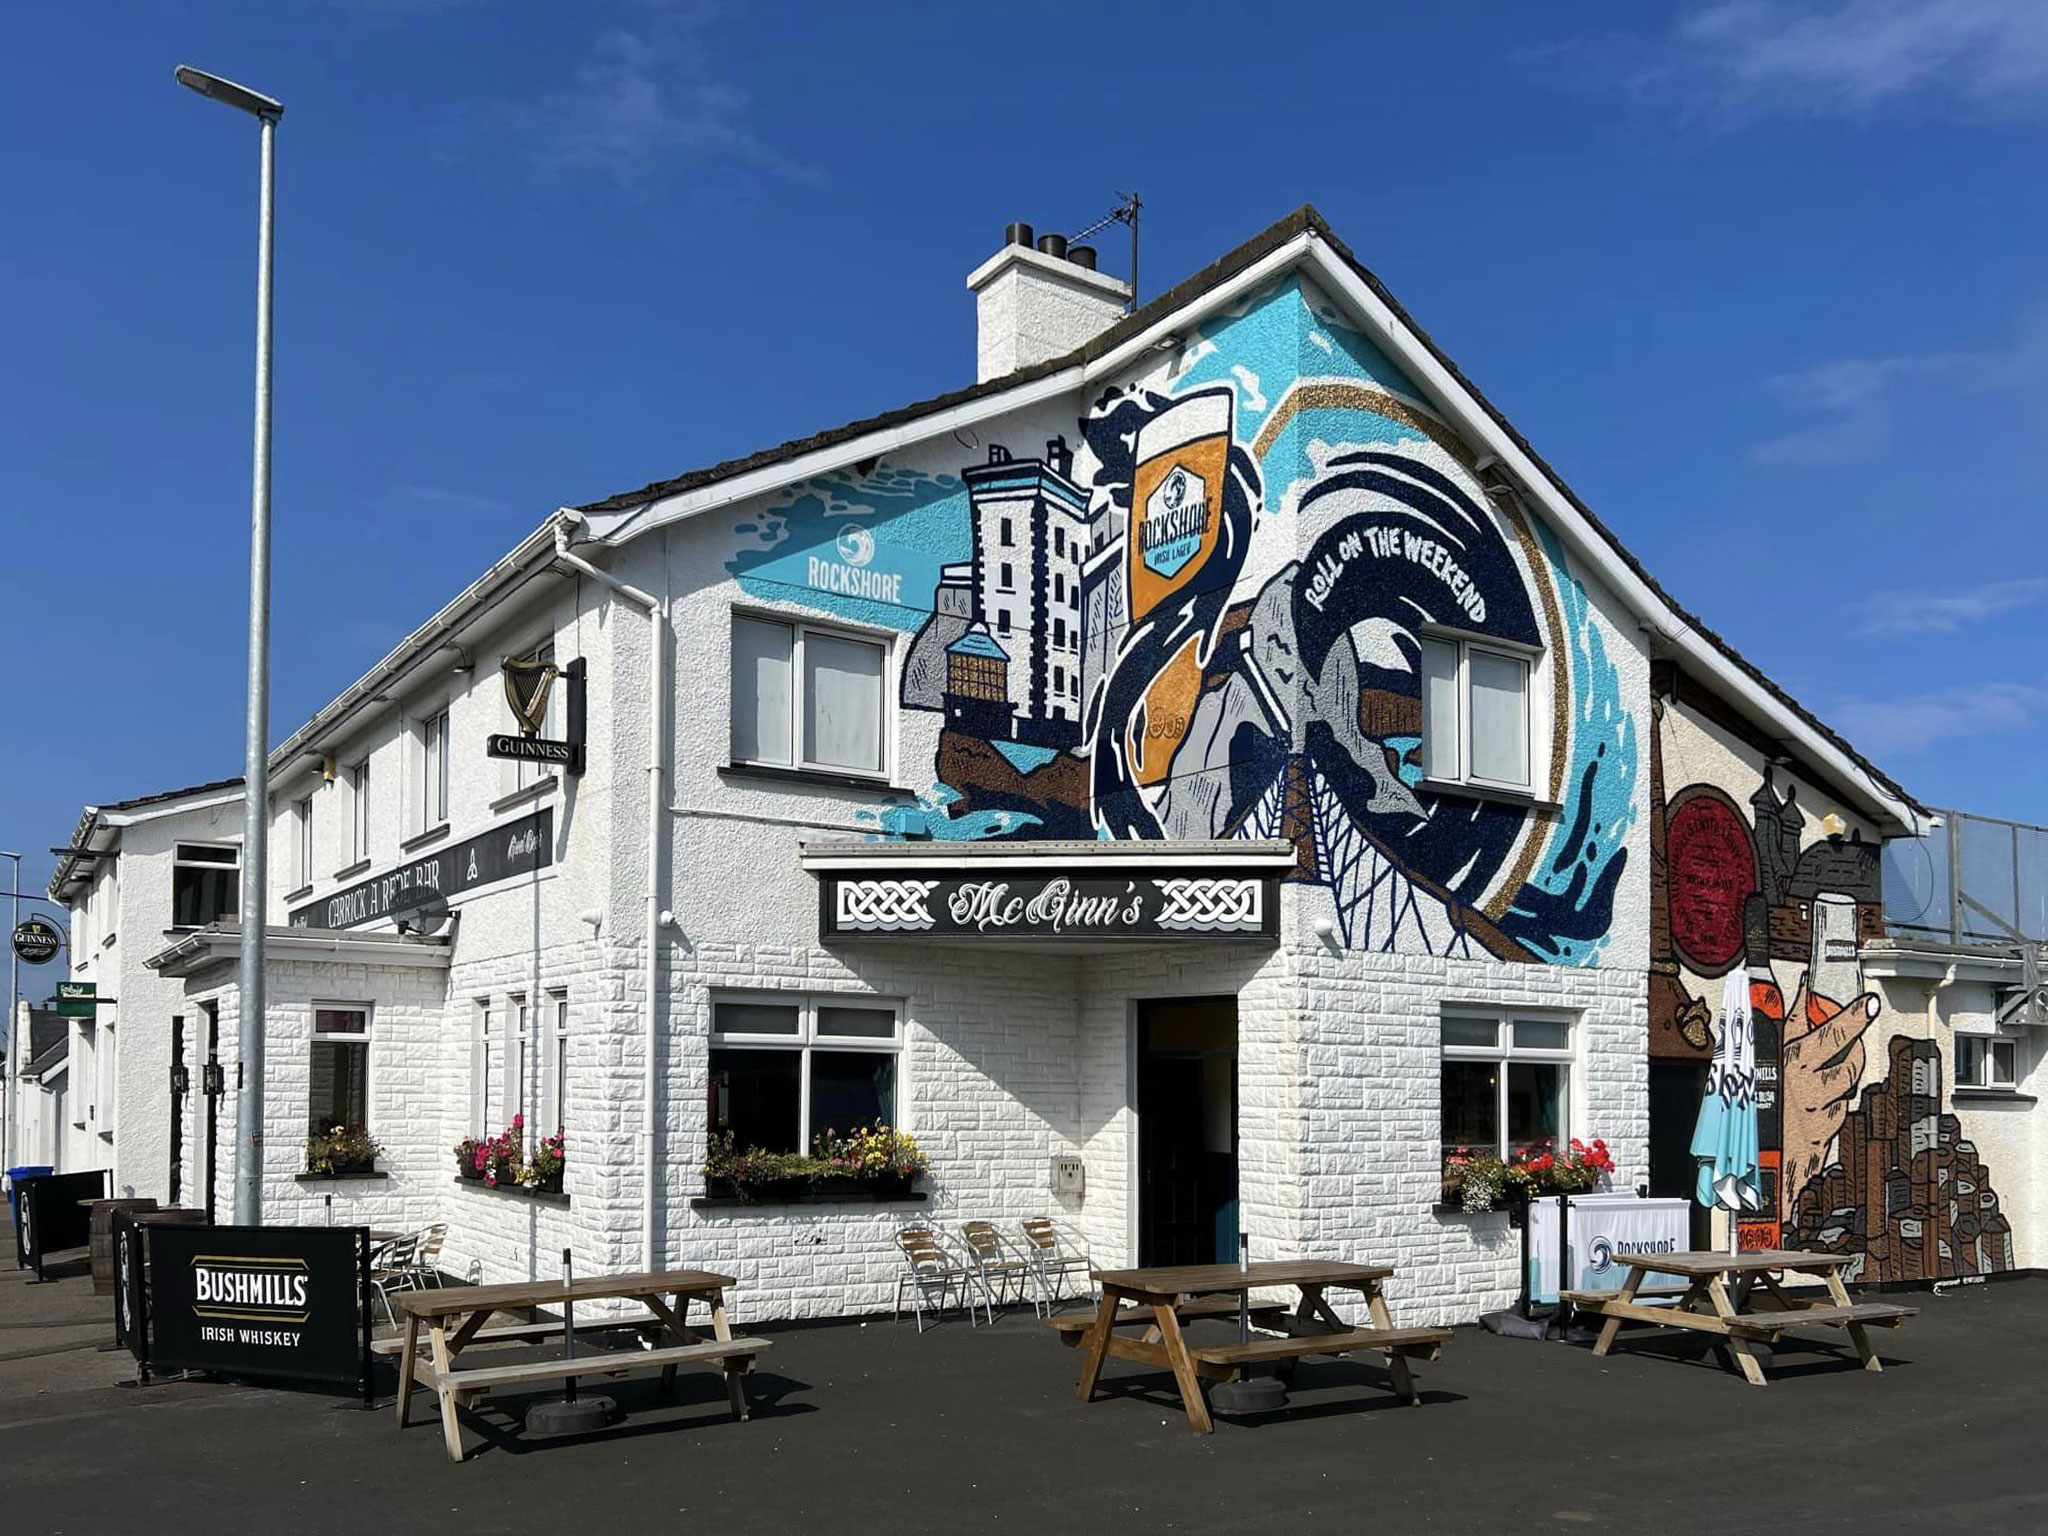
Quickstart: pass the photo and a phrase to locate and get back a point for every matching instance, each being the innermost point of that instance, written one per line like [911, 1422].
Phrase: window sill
[352, 870]
[421, 839]
[514, 1192]
[850, 1197]
[1452, 1208]
[376, 1174]
[304, 890]
[534, 791]
[1994, 1095]
[1526, 799]
[819, 776]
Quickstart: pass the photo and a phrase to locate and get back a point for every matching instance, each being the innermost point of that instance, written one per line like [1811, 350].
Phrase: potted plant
[342, 1151]
[469, 1163]
[880, 1158]
[544, 1174]
[1479, 1180]
[500, 1154]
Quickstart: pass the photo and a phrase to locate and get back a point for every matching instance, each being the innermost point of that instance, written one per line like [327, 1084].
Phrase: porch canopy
[196, 954]
[1049, 895]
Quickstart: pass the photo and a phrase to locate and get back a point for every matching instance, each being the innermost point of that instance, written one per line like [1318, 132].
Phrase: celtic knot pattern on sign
[1210, 906]
[884, 906]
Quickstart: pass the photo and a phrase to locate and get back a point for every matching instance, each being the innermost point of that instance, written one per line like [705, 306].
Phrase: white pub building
[1192, 780]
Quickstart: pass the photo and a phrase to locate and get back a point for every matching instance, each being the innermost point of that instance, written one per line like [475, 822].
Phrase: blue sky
[1763, 280]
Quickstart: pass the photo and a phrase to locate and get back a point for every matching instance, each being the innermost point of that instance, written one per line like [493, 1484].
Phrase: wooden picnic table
[1737, 1298]
[454, 1317]
[1164, 1298]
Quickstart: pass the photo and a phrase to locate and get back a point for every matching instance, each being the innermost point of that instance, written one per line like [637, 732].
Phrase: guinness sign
[527, 687]
[36, 940]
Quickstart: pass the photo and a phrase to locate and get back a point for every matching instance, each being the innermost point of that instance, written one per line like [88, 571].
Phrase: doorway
[179, 1085]
[1187, 1131]
[1675, 1091]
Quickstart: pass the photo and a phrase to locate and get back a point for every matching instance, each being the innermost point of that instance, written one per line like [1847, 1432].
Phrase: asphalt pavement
[872, 1428]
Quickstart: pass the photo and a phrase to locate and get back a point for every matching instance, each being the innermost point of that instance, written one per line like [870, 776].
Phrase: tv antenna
[1125, 212]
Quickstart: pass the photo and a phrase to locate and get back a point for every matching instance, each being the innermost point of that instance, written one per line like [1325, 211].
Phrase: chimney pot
[1037, 301]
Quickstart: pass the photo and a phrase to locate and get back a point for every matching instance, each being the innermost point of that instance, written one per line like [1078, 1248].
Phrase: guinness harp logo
[527, 685]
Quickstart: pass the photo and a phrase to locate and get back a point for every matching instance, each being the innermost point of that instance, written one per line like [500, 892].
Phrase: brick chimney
[1035, 302]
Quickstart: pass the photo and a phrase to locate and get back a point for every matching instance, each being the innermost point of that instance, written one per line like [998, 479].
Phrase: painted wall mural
[1747, 870]
[1201, 618]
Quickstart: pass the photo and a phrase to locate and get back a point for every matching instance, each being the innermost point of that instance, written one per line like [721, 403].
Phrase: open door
[1187, 1131]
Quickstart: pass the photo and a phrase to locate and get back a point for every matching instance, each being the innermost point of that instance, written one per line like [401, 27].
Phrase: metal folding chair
[998, 1268]
[930, 1274]
[1055, 1255]
[391, 1269]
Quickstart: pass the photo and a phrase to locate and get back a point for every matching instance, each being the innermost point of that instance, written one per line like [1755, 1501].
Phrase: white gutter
[1453, 401]
[657, 805]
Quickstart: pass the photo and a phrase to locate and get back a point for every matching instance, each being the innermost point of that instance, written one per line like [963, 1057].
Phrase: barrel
[100, 1238]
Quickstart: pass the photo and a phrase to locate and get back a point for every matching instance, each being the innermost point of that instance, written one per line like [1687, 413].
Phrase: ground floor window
[339, 1083]
[786, 1069]
[1506, 1082]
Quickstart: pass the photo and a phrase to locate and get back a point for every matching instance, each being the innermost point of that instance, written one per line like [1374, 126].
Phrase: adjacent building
[1197, 828]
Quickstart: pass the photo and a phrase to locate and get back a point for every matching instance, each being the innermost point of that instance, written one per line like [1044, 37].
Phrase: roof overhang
[1927, 960]
[221, 944]
[1193, 857]
[99, 826]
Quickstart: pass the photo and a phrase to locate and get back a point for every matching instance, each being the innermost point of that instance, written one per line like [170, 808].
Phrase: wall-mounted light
[667, 919]
[1326, 930]
[462, 662]
[593, 916]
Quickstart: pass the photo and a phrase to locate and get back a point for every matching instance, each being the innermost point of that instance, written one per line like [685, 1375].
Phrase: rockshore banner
[1603, 1227]
[1048, 906]
[290, 1302]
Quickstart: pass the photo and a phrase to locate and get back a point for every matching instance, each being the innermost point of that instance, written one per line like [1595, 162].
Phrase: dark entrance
[214, 1086]
[1187, 1131]
[1675, 1091]
[179, 1085]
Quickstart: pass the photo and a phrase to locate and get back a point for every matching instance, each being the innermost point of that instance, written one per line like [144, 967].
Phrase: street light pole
[13, 1105]
[256, 764]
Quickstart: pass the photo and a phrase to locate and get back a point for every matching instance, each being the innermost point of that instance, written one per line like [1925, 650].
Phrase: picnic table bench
[1758, 1310]
[1169, 1296]
[454, 1318]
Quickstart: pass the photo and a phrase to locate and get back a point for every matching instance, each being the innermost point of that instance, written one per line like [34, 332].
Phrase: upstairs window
[808, 697]
[302, 840]
[1986, 1061]
[205, 883]
[433, 761]
[359, 812]
[1475, 713]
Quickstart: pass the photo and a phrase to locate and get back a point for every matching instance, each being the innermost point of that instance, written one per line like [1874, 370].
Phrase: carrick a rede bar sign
[516, 848]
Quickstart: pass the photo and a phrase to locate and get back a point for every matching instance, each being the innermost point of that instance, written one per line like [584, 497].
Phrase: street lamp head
[239, 96]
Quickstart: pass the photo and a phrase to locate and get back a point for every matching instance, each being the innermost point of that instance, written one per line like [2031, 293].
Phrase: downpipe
[657, 805]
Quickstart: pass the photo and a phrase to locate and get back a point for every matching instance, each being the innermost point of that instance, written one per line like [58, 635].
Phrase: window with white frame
[554, 1118]
[804, 696]
[359, 811]
[1987, 1061]
[522, 1057]
[1506, 1085]
[106, 1060]
[1476, 718]
[785, 1069]
[205, 883]
[302, 840]
[486, 1084]
[431, 753]
[338, 1077]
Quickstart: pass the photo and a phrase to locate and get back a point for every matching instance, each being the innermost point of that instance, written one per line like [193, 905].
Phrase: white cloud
[1908, 612]
[1851, 402]
[643, 100]
[1915, 722]
[1738, 60]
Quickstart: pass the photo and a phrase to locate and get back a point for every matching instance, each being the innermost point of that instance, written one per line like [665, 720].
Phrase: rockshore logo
[849, 576]
[1176, 521]
[1603, 1249]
